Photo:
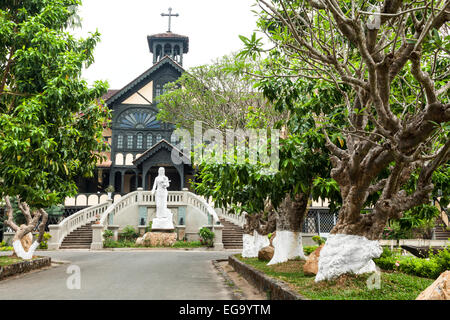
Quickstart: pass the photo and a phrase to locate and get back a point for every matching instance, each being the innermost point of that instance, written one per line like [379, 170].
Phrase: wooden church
[140, 144]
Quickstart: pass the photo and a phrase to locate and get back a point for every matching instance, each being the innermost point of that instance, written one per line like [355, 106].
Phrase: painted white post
[53, 242]
[217, 229]
[97, 237]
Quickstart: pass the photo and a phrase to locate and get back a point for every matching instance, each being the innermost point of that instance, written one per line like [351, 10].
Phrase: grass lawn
[8, 260]
[394, 285]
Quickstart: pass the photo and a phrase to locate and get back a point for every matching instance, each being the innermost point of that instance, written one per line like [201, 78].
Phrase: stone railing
[174, 198]
[107, 211]
[237, 219]
[203, 206]
[61, 230]
[124, 202]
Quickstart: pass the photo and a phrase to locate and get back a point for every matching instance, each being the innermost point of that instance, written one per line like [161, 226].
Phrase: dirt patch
[290, 266]
[248, 291]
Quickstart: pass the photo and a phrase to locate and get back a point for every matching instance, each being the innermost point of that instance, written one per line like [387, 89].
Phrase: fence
[319, 220]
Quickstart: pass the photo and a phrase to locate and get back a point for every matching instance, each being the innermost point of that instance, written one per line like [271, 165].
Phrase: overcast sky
[213, 27]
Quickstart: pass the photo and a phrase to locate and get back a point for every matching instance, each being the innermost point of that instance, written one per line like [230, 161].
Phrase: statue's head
[161, 171]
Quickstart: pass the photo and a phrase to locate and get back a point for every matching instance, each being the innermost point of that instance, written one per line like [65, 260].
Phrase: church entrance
[170, 172]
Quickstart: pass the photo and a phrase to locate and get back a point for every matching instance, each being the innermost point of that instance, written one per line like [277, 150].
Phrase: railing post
[53, 242]
[217, 229]
[97, 237]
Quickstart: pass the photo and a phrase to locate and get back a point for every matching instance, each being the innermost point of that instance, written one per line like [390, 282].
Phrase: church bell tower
[168, 43]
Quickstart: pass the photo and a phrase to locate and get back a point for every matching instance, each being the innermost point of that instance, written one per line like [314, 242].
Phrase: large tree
[393, 56]
[222, 96]
[216, 96]
[51, 120]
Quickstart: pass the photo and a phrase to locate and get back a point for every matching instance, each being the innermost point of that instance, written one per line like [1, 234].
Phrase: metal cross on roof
[170, 15]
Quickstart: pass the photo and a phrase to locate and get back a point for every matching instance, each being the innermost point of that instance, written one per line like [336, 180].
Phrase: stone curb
[277, 289]
[228, 280]
[24, 266]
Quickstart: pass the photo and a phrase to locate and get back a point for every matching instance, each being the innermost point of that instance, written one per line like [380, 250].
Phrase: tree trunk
[352, 243]
[288, 239]
[256, 229]
[23, 230]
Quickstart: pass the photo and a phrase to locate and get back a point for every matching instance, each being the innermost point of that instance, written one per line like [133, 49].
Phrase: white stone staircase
[106, 213]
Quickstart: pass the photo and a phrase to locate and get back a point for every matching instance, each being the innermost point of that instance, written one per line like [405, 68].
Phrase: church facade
[140, 143]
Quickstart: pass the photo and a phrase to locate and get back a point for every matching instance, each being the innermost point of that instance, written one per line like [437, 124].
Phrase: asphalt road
[137, 275]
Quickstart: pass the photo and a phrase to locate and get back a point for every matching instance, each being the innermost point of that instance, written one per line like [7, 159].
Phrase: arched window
[158, 138]
[158, 52]
[139, 141]
[158, 90]
[167, 50]
[149, 141]
[176, 53]
[130, 141]
[119, 141]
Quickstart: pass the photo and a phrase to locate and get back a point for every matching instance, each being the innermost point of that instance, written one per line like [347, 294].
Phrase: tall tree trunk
[288, 239]
[256, 229]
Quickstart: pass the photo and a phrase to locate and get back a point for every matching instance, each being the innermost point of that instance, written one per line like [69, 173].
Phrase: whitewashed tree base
[20, 251]
[287, 245]
[344, 253]
[253, 243]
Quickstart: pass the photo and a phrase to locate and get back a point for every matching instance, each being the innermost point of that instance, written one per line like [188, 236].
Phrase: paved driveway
[165, 274]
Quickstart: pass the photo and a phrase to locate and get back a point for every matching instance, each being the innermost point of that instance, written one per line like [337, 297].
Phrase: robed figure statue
[163, 218]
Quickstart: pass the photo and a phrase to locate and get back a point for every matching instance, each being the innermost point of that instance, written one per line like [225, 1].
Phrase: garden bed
[10, 266]
[393, 285]
[131, 244]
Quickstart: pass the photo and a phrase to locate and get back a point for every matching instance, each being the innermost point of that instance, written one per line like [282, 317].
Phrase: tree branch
[10, 214]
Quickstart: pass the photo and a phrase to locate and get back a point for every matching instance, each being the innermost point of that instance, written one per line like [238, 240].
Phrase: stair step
[231, 235]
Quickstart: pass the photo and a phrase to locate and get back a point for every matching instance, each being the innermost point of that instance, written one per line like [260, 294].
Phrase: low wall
[24, 266]
[8, 236]
[277, 289]
[414, 243]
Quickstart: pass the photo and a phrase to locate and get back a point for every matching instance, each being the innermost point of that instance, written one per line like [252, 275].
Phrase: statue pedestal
[162, 224]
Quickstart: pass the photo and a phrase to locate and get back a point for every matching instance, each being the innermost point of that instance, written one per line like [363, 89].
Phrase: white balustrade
[107, 212]
[174, 198]
[75, 221]
[237, 219]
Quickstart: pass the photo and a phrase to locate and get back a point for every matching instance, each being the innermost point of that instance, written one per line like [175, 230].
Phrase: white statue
[163, 218]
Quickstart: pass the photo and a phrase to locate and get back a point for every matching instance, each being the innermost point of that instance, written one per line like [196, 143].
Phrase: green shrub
[427, 268]
[44, 242]
[128, 233]
[149, 227]
[318, 239]
[187, 244]
[107, 235]
[118, 244]
[207, 236]
[309, 249]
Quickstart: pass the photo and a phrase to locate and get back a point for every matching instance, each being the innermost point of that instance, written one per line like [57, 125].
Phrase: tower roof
[170, 36]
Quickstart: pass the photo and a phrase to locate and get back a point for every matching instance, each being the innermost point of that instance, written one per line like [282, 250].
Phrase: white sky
[213, 27]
